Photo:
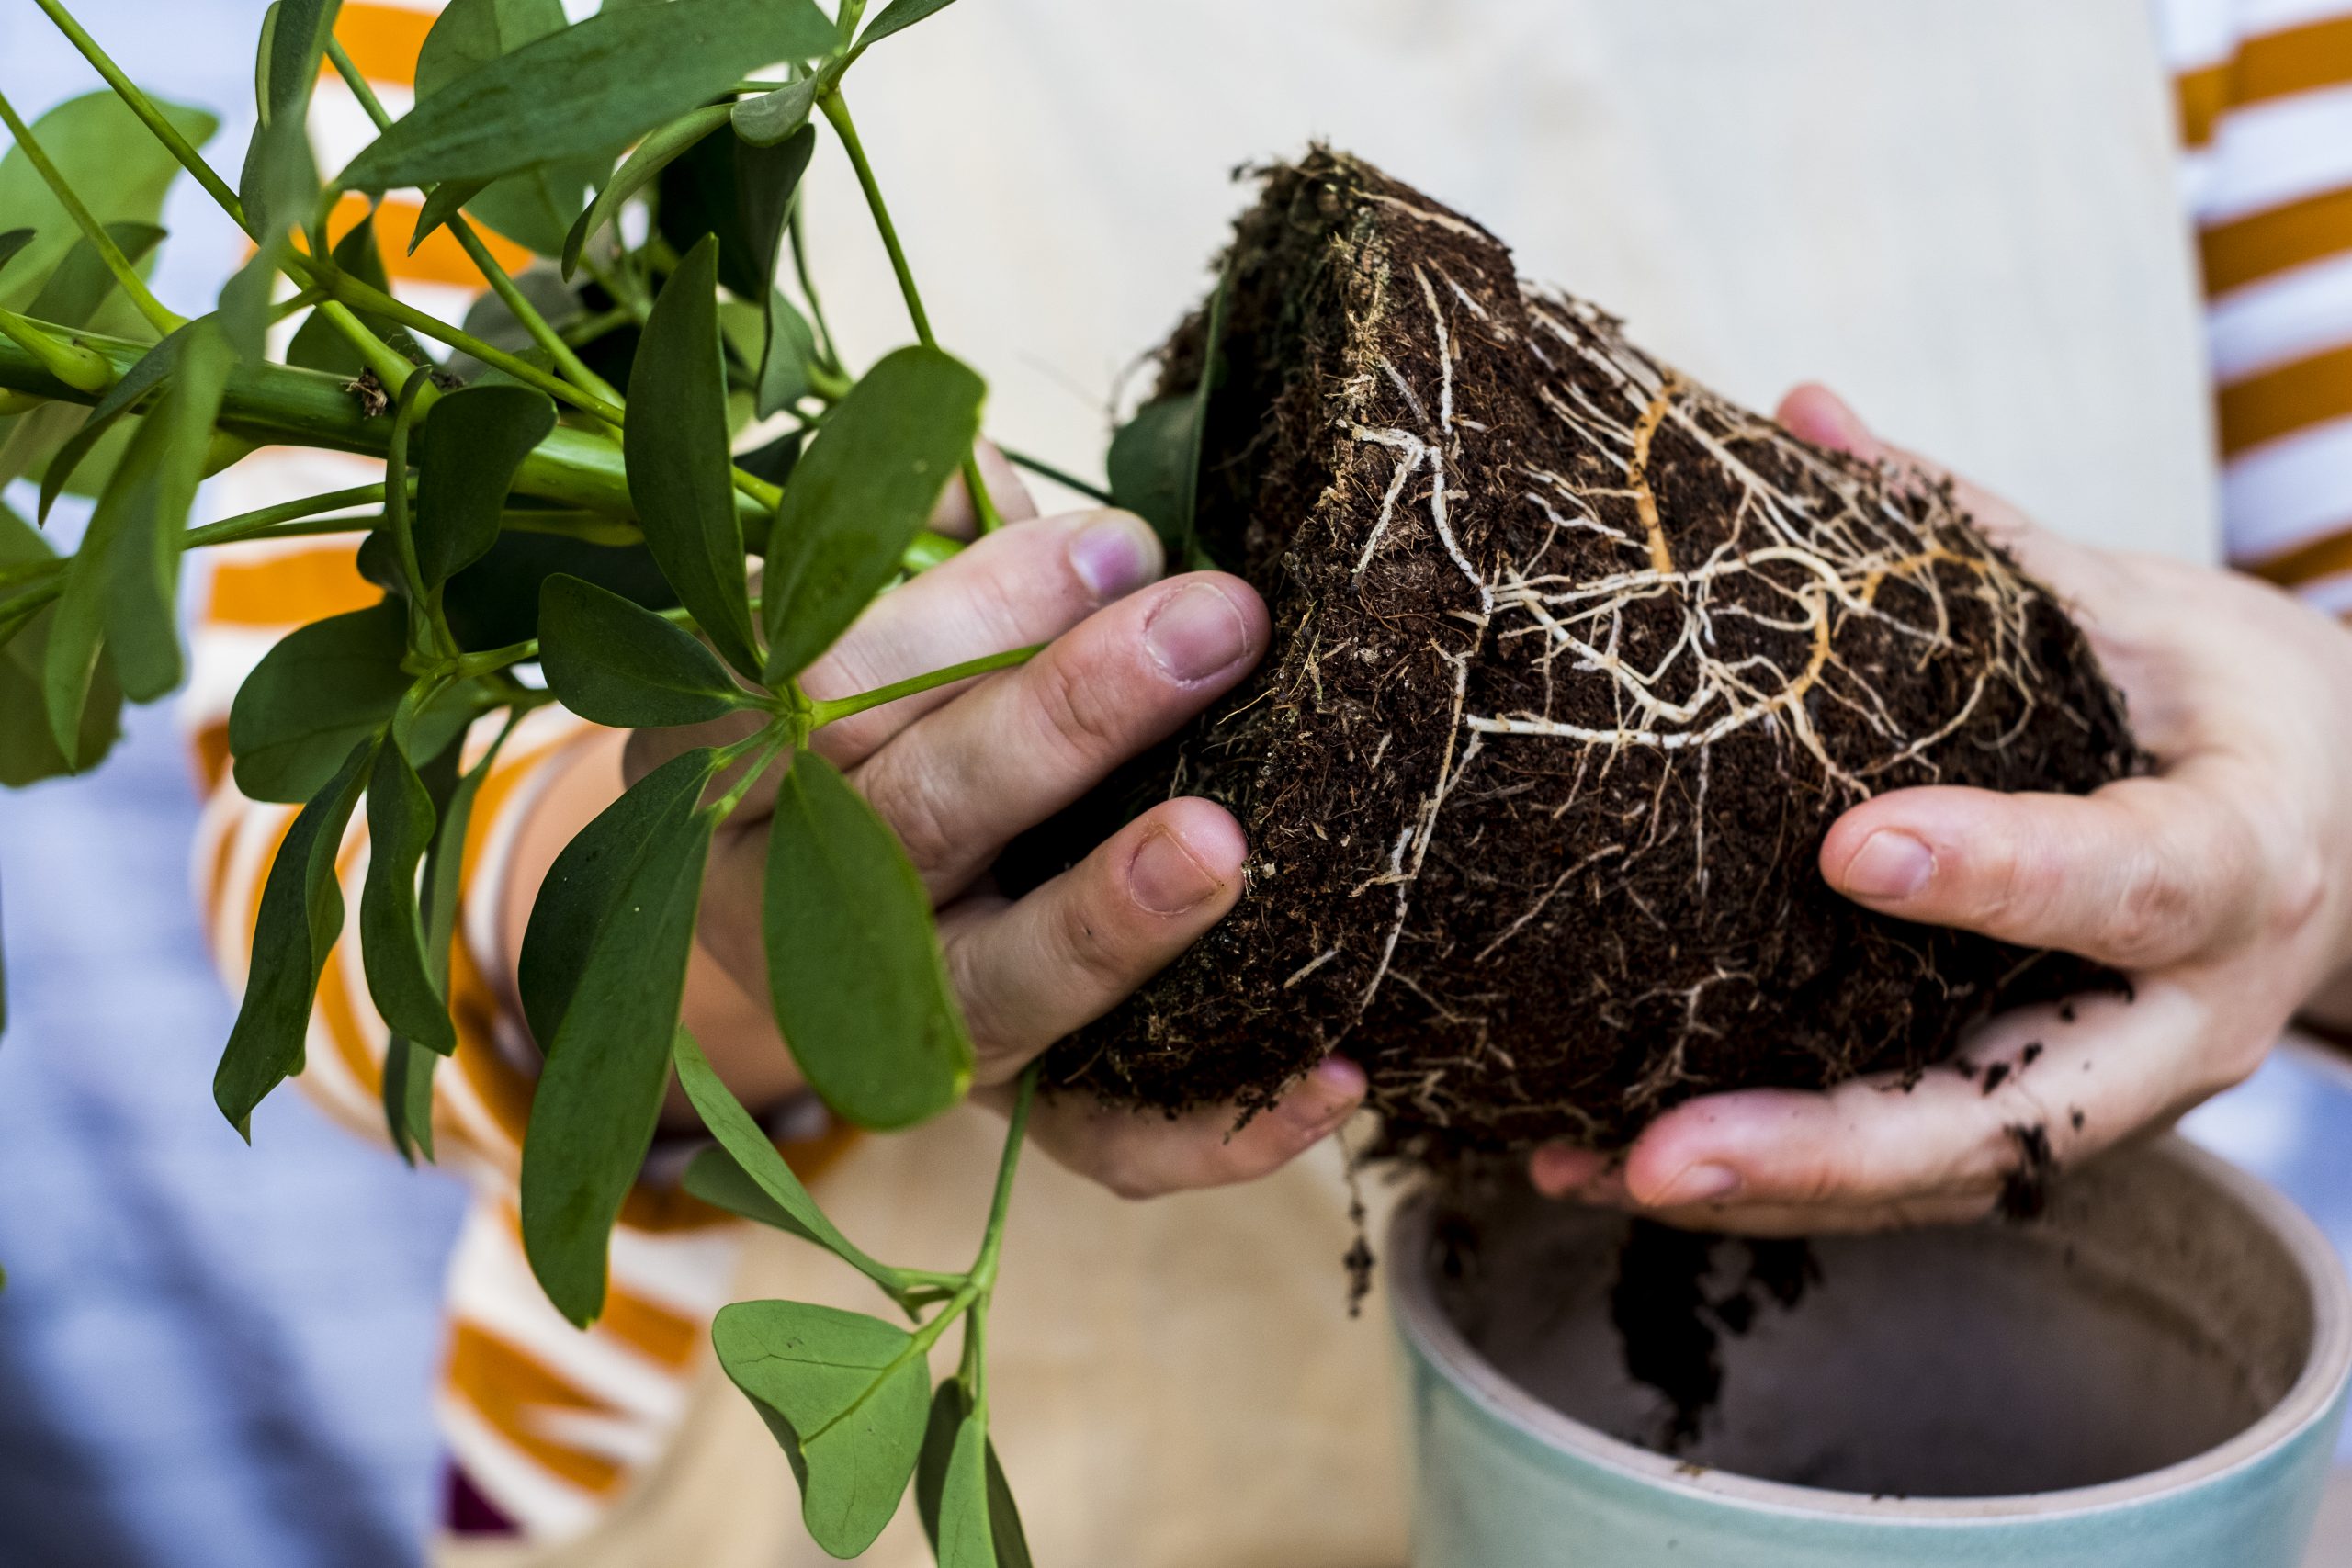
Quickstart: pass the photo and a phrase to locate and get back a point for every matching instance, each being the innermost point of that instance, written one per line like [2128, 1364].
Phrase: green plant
[526, 436]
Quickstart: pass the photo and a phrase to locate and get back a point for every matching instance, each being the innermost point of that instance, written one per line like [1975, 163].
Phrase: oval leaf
[474, 441]
[600, 1094]
[745, 1148]
[597, 85]
[858, 497]
[322, 687]
[652, 156]
[898, 16]
[610, 662]
[854, 963]
[400, 820]
[27, 752]
[105, 156]
[680, 473]
[771, 117]
[301, 917]
[960, 1490]
[845, 1396]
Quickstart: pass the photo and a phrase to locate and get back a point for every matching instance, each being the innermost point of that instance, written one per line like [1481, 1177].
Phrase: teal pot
[2151, 1375]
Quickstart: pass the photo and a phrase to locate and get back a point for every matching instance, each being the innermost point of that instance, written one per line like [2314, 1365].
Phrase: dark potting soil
[1671, 1305]
[1574, 664]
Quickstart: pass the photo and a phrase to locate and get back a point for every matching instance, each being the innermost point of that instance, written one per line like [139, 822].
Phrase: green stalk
[144, 108]
[1059, 476]
[1015, 1133]
[501, 283]
[825, 348]
[833, 710]
[249, 524]
[164, 322]
[836, 111]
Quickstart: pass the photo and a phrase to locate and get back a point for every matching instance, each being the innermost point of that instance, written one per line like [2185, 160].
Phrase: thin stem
[766, 744]
[830, 356]
[475, 247]
[836, 110]
[835, 709]
[245, 524]
[984, 1268]
[1062, 477]
[164, 322]
[149, 115]
[391, 367]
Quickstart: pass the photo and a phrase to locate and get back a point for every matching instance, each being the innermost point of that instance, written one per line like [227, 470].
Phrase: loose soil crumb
[1994, 1077]
[2025, 1192]
[1574, 663]
[1669, 1318]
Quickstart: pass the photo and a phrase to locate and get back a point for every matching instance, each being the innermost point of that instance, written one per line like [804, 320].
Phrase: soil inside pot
[2141, 1323]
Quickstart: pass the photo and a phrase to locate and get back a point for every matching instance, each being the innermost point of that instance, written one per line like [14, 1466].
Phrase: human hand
[958, 772]
[2221, 886]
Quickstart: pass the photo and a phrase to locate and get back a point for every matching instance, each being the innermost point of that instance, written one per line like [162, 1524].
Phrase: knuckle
[2151, 912]
[913, 802]
[1074, 713]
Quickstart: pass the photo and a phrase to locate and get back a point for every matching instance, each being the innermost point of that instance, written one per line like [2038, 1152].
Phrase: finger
[1027, 582]
[954, 516]
[1030, 972]
[1813, 413]
[2039, 1092]
[1769, 1223]
[1141, 1153]
[1024, 744]
[2144, 873]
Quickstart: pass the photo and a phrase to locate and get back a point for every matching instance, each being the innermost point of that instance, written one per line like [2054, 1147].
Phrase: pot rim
[1425, 1325]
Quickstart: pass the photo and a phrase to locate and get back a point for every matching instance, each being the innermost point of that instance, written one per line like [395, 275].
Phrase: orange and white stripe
[2266, 107]
[547, 1422]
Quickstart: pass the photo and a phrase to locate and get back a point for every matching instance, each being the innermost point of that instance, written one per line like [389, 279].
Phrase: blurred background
[210, 1353]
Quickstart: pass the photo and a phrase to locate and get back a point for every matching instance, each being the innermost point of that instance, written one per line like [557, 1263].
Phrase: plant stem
[144, 108]
[501, 283]
[1016, 1130]
[164, 322]
[836, 111]
[833, 710]
[1059, 476]
[247, 524]
[826, 349]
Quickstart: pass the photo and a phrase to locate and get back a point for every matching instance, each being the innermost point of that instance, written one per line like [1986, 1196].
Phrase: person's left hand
[2221, 885]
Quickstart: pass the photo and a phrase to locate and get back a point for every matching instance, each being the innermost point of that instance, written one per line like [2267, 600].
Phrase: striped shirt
[545, 1424]
[2266, 110]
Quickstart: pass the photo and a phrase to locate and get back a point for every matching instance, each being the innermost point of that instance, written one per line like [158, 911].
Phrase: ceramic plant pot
[2153, 1375]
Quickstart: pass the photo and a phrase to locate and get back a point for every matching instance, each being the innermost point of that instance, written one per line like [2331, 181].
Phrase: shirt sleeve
[2264, 91]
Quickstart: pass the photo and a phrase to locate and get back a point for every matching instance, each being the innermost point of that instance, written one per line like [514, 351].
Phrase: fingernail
[1558, 1168]
[1114, 555]
[1700, 1184]
[1196, 633]
[1327, 1096]
[1889, 866]
[1166, 879]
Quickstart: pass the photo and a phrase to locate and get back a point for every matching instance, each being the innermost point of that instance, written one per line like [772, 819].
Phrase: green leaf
[408, 1097]
[652, 156]
[1148, 466]
[577, 93]
[791, 350]
[680, 473]
[740, 192]
[27, 752]
[598, 1098]
[322, 687]
[533, 207]
[844, 1395]
[123, 587]
[301, 915]
[80, 292]
[853, 964]
[474, 441]
[898, 16]
[107, 157]
[859, 496]
[744, 1149]
[124, 397]
[280, 177]
[11, 243]
[960, 1490]
[400, 820]
[609, 661]
[582, 885]
[771, 117]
